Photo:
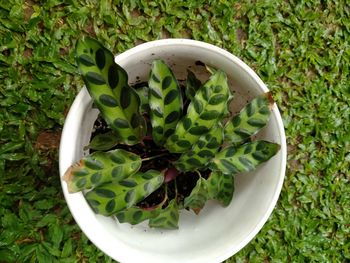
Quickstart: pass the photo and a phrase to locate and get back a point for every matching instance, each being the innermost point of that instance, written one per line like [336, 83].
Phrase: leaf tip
[270, 99]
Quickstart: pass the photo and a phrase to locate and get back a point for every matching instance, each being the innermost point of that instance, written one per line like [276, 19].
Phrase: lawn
[301, 51]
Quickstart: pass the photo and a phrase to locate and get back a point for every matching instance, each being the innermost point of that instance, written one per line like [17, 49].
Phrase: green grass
[299, 48]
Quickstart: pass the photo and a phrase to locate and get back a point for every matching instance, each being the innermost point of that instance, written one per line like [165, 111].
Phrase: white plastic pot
[216, 233]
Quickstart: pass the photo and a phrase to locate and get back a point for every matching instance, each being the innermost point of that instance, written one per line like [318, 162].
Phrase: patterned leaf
[110, 198]
[143, 95]
[250, 120]
[107, 84]
[135, 215]
[244, 158]
[221, 187]
[204, 111]
[192, 85]
[198, 197]
[104, 142]
[101, 167]
[202, 151]
[168, 217]
[165, 101]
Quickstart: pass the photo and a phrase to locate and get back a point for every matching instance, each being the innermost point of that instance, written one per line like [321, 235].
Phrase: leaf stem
[153, 157]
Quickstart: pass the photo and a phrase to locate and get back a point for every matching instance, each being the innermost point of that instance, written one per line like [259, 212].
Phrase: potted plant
[172, 147]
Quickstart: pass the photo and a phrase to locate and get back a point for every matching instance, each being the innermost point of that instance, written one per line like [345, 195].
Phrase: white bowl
[216, 233]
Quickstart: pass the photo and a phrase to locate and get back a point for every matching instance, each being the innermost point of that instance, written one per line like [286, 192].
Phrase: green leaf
[192, 85]
[103, 142]
[67, 248]
[107, 84]
[10, 146]
[221, 187]
[101, 167]
[168, 217]
[56, 235]
[204, 111]
[143, 93]
[135, 215]
[7, 255]
[202, 151]
[111, 198]
[198, 197]
[250, 120]
[244, 158]
[165, 101]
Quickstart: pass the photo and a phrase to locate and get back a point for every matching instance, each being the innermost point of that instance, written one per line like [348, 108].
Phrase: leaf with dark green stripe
[135, 215]
[202, 151]
[198, 130]
[95, 78]
[100, 167]
[202, 114]
[143, 95]
[168, 217]
[198, 197]
[242, 160]
[107, 84]
[192, 85]
[121, 124]
[165, 100]
[125, 97]
[250, 120]
[100, 58]
[86, 60]
[210, 115]
[221, 187]
[173, 116]
[217, 99]
[125, 193]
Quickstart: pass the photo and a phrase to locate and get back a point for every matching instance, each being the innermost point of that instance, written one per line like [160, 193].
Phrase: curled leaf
[168, 217]
[103, 142]
[221, 187]
[143, 95]
[198, 197]
[192, 85]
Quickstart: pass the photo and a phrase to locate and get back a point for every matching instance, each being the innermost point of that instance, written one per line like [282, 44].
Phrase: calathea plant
[168, 145]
